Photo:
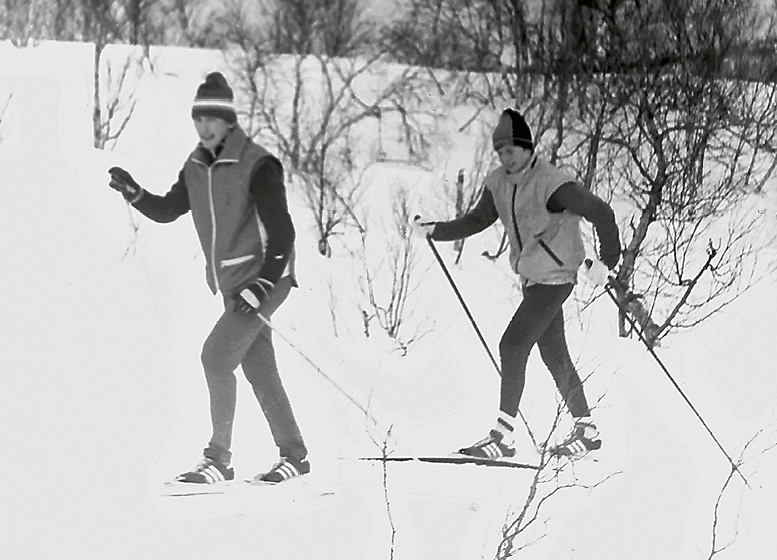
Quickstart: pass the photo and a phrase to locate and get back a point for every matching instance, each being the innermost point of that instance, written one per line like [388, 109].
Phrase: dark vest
[224, 212]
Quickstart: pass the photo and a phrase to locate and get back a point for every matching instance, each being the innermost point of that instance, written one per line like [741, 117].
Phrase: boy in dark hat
[540, 208]
[234, 188]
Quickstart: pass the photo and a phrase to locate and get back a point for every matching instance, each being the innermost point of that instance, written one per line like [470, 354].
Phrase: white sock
[590, 430]
[505, 425]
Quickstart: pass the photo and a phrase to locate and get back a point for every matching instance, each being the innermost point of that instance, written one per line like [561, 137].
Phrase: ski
[176, 489]
[455, 460]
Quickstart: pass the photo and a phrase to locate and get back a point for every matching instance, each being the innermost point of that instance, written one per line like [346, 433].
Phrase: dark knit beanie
[215, 98]
[512, 130]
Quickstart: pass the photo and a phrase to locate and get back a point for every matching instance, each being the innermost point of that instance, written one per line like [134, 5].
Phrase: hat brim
[228, 115]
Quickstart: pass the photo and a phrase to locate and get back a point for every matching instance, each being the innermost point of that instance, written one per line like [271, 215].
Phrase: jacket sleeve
[165, 208]
[476, 220]
[573, 197]
[269, 194]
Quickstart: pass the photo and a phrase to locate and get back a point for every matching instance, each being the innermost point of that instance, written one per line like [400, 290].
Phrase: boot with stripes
[583, 439]
[498, 443]
[284, 469]
[207, 471]
[493, 446]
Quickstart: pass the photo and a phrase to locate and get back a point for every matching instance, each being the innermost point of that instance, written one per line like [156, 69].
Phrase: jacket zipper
[212, 207]
[213, 267]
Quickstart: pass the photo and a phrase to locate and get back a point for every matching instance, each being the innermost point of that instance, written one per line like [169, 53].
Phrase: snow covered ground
[102, 397]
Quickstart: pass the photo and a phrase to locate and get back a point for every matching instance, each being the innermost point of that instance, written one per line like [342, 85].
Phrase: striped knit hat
[215, 98]
[512, 130]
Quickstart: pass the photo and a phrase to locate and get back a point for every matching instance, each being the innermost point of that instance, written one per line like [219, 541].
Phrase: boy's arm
[476, 220]
[165, 208]
[574, 198]
[269, 194]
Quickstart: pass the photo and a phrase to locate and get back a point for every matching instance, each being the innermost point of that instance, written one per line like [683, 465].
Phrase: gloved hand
[596, 272]
[251, 297]
[123, 182]
[422, 227]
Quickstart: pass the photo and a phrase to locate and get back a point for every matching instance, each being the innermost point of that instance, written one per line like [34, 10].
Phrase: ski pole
[473, 323]
[666, 371]
[331, 380]
[463, 304]
[315, 366]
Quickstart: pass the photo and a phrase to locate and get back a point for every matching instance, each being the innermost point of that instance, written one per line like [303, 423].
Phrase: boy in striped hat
[234, 188]
[540, 208]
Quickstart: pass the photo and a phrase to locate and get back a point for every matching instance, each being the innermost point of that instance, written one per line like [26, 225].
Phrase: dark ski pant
[242, 339]
[540, 320]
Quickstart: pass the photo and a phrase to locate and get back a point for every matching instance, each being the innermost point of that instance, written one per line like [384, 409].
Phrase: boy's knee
[213, 361]
[511, 345]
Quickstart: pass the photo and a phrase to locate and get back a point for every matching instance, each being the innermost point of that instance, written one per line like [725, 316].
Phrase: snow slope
[102, 397]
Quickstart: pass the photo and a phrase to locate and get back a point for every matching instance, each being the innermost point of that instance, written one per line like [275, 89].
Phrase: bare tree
[389, 287]
[117, 98]
[317, 119]
[317, 116]
[24, 22]
[334, 28]
[688, 147]
[523, 525]
[452, 34]
[462, 195]
[721, 513]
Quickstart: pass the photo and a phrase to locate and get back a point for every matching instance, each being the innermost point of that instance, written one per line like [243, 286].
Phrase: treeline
[732, 38]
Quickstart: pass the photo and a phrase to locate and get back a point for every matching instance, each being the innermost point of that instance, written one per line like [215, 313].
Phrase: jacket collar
[229, 150]
[530, 164]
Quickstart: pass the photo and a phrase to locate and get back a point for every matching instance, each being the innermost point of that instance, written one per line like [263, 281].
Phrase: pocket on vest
[550, 252]
[236, 260]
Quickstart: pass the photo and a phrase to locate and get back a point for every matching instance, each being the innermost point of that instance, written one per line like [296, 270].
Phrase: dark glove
[123, 182]
[251, 297]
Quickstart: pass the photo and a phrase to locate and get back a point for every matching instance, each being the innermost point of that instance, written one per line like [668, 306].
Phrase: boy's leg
[553, 349]
[555, 353]
[541, 303]
[261, 370]
[225, 347]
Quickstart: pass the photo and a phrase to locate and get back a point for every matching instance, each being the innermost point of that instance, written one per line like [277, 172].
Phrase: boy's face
[211, 130]
[513, 158]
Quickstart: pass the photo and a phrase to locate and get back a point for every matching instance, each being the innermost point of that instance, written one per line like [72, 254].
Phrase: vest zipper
[542, 243]
[515, 220]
